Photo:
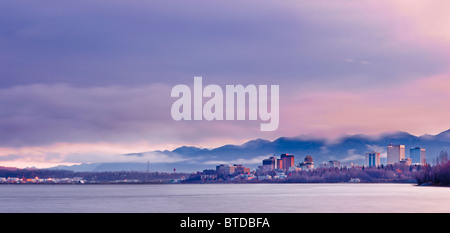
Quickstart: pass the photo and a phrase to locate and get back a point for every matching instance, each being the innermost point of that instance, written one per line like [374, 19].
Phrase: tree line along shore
[438, 174]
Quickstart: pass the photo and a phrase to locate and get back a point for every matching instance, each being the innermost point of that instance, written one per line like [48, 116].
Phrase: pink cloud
[417, 107]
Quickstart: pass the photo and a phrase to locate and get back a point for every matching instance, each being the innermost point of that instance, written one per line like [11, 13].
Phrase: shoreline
[239, 183]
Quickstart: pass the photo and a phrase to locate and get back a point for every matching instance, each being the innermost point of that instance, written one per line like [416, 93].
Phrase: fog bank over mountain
[347, 149]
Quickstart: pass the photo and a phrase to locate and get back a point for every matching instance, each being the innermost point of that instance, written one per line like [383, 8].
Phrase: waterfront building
[347, 165]
[323, 165]
[241, 169]
[406, 162]
[373, 159]
[309, 159]
[334, 163]
[287, 161]
[266, 177]
[269, 164]
[395, 153]
[223, 169]
[279, 164]
[417, 155]
[280, 175]
[307, 164]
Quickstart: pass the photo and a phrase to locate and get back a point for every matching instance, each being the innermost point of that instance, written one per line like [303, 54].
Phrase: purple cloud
[90, 43]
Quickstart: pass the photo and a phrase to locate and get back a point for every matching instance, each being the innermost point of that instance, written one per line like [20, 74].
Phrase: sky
[88, 81]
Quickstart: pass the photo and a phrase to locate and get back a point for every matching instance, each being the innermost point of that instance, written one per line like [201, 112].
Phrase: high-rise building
[395, 153]
[417, 155]
[270, 164]
[287, 161]
[373, 159]
[308, 159]
[279, 164]
[334, 163]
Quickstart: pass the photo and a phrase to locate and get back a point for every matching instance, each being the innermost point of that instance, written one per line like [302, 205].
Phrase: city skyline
[396, 155]
[286, 162]
[89, 82]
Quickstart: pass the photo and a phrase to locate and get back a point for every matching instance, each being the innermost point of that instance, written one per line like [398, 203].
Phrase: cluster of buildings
[272, 168]
[286, 163]
[396, 155]
[277, 168]
[231, 169]
[37, 180]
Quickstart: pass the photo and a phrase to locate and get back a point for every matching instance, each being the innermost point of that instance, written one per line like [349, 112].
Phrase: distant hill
[347, 149]
[8, 168]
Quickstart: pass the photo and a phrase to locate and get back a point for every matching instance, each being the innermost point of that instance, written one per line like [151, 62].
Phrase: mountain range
[347, 149]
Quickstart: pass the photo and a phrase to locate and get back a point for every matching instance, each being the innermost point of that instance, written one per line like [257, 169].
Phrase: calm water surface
[224, 198]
